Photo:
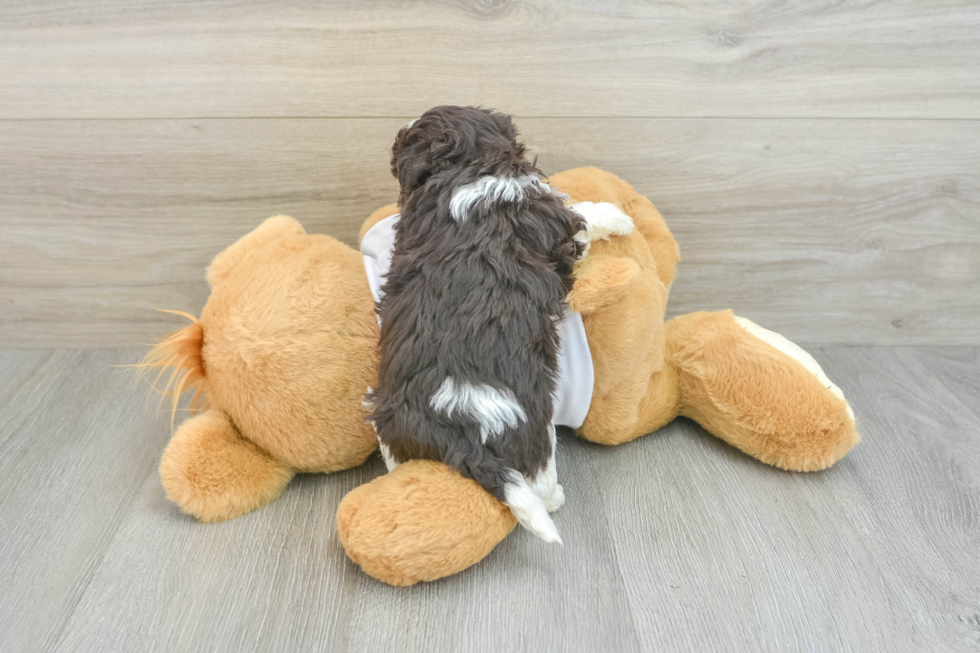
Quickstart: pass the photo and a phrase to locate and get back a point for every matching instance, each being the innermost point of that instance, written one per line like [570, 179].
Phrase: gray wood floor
[673, 542]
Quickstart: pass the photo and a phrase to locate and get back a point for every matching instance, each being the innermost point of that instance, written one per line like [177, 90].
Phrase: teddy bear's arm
[601, 281]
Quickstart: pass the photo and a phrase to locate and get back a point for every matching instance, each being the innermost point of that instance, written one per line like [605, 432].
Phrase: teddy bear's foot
[213, 473]
[420, 522]
[759, 392]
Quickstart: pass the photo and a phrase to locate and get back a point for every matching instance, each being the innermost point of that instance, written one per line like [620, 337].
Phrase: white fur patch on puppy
[491, 189]
[492, 409]
[602, 221]
[529, 509]
[797, 353]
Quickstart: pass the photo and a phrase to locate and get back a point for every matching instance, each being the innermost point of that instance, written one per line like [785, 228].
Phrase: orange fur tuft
[180, 352]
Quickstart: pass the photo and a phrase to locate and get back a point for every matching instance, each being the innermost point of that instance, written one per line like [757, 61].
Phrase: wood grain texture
[673, 542]
[531, 57]
[829, 231]
[278, 579]
[872, 554]
[77, 440]
[100, 222]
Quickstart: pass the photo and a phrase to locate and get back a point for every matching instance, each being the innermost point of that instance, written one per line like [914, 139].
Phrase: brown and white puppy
[481, 264]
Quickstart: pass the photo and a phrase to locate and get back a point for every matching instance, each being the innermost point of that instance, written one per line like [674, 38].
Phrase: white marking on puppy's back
[529, 509]
[491, 189]
[492, 409]
[602, 221]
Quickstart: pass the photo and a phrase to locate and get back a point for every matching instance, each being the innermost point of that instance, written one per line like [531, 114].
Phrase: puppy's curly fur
[481, 265]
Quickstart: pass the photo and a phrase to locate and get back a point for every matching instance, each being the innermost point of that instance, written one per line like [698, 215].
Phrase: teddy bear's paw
[420, 522]
[213, 473]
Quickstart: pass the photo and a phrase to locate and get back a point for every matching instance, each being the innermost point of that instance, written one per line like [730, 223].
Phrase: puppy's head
[447, 137]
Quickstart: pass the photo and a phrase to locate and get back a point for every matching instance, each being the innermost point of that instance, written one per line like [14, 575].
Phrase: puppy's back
[469, 342]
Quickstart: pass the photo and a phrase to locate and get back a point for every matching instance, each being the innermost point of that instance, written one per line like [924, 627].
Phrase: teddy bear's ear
[271, 229]
[375, 218]
[600, 282]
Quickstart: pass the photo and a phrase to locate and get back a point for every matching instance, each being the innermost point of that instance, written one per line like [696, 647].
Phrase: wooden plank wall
[819, 163]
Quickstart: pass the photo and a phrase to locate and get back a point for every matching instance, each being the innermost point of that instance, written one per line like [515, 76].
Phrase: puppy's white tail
[529, 509]
[509, 487]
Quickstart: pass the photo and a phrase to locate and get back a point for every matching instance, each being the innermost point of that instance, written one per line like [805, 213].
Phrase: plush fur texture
[214, 473]
[180, 353]
[284, 350]
[482, 261]
[405, 527]
[290, 333]
[593, 185]
[647, 372]
[785, 417]
[287, 363]
[622, 298]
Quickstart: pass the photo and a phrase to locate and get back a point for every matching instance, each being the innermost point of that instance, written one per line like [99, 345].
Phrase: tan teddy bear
[287, 345]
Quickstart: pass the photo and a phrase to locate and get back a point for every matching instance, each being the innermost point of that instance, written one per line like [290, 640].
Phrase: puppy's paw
[557, 499]
[603, 220]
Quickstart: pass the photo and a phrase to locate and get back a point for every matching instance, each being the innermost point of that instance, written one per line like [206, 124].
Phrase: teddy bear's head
[284, 348]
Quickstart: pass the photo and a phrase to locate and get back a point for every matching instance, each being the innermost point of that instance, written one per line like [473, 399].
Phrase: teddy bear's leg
[759, 392]
[213, 473]
[420, 522]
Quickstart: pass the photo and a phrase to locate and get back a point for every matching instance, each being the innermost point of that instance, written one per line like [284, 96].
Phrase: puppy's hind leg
[529, 509]
[545, 484]
[390, 461]
[511, 488]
